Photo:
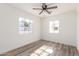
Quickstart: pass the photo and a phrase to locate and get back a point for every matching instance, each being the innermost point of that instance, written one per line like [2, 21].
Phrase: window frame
[25, 25]
[54, 26]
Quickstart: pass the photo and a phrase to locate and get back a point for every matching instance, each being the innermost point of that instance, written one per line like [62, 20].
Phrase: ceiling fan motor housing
[44, 7]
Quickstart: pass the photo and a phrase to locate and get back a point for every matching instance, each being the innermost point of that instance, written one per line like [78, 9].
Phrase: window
[54, 26]
[25, 25]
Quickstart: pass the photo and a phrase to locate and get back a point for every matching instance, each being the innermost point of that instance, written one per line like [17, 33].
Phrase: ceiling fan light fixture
[45, 8]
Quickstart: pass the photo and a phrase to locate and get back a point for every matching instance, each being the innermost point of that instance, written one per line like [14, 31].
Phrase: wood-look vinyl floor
[56, 49]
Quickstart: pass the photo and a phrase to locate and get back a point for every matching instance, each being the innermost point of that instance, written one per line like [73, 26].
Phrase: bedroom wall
[11, 39]
[78, 27]
[9, 34]
[67, 34]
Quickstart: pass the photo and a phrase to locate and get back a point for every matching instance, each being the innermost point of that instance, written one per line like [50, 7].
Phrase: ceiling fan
[45, 8]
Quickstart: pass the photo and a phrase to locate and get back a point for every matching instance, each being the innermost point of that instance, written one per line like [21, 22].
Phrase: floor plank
[44, 48]
[58, 49]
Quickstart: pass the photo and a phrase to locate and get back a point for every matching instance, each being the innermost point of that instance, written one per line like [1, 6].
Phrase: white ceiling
[62, 7]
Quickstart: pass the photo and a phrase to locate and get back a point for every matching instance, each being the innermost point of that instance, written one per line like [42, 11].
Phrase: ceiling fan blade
[52, 7]
[43, 3]
[40, 12]
[50, 4]
[48, 12]
[37, 8]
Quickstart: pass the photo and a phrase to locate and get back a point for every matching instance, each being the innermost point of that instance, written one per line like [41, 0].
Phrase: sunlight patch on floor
[43, 51]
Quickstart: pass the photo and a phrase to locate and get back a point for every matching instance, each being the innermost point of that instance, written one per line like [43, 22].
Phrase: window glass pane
[54, 26]
[28, 26]
[25, 25]
[51, 26]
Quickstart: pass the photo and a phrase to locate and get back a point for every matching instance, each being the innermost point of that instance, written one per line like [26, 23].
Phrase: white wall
[11, 39]
[67, 33]
[9, 34]
[78, 27]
